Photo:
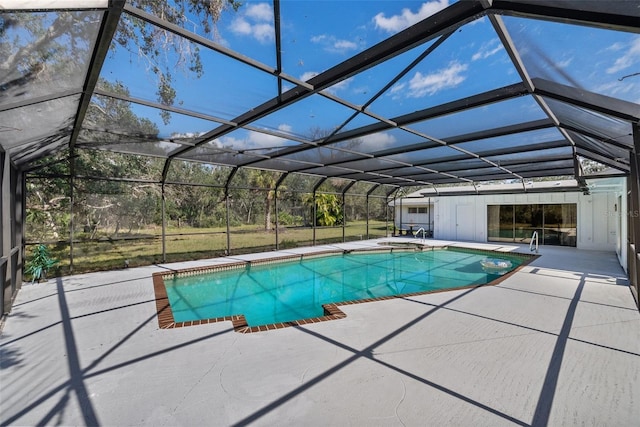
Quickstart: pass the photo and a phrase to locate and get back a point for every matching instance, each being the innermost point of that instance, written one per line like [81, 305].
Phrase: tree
[328, 208]
[157, 45]
[36, 48]
[266, 180]
[107, 204]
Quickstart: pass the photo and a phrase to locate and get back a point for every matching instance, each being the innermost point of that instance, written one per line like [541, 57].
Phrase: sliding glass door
[556, 224]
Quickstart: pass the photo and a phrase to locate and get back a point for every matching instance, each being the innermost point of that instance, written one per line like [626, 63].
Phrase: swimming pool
[309, 287]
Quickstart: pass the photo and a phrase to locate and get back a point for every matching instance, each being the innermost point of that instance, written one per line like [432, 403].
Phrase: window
[417, 210]
[556, 224]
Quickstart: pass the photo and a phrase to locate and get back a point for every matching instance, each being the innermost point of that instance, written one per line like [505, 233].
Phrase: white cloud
[630, 57]
[260, 12]
[240, 26]
[617, 88]
[344, 45]
[397, 88]
[256, 22]
[252, 140]
[396, 23]
[381, 140]
[615, 47]
[428, 84]
[318, 39]
[488, 49]
[334, 45]
[263, 140]
[564, 64]
[285, 128]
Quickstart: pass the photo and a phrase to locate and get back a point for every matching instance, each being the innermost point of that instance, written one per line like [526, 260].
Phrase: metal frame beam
[592, 101]
[108, 29]
[596, 157]
[612, 15]
[421, 32]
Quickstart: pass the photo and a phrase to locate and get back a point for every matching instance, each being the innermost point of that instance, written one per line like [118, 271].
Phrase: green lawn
[145, 246]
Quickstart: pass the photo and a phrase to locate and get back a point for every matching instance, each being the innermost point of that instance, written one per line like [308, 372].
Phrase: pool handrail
[534, 237]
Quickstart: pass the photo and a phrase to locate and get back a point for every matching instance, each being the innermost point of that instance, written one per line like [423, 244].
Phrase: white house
[561, 212]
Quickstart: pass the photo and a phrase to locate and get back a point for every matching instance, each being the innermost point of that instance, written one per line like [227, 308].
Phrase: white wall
[597, 217]
[602, 223]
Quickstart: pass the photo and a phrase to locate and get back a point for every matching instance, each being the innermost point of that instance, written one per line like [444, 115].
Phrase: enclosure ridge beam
[514, 55]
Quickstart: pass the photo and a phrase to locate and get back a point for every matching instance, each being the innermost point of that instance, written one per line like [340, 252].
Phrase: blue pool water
[297, 289]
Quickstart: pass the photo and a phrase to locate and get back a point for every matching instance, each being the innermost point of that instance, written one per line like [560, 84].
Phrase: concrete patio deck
[557, 343]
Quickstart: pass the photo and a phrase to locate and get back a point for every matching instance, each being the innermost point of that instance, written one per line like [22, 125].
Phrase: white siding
[600, 225]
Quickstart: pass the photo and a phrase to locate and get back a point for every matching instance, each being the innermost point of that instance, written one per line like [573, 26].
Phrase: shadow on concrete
[367, 353]
[545, 400]
[9, 357]
[76, 383]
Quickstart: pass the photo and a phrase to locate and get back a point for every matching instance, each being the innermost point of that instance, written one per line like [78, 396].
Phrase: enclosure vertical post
[315, 207]
[23, 218]
[634, 216]
[369, 194]
[429, 217]
[275, 206]
[313, 219]
[19, 218]
[5, 220]
[394, 211]
[367, 208]
[72, 202]
[164, 224]
[344, 217]
[275, 209]
[226, 201]
[386, 216]
[400, 217]
[633, 224]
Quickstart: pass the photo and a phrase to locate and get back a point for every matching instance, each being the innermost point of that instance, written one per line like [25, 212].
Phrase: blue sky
[317, 35]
